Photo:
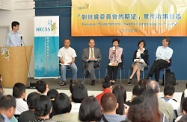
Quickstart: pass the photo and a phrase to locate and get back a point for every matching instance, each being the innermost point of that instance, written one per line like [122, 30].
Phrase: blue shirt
[13, 39]
[164, 53]
[6, 119]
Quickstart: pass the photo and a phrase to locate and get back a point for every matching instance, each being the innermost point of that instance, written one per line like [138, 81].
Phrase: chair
[120, 68]
[84, 71]
[165, 69]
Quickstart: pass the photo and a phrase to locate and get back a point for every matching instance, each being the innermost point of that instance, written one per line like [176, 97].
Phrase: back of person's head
[137, 90]
[120, 92]
[18, 90]
[71, 86]
[143, 83]
[141, 111]
[79, 93]
[169, 90]
[8, 103]
[43, 106]
[62, 104]
[184, 106]
[52, 93]
[31, 99]
[106, 83]
[153, 85]
[109, 102]
[90, 110]
[41, 86]
[151, 98]
[14, 23]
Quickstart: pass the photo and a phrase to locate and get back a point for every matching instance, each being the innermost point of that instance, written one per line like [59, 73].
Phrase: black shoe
[87, 74]
[63, 84]
[129, 81]
[112, 83]
[93, 83]
[72, 81]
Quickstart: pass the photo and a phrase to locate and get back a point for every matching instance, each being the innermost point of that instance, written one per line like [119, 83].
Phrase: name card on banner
[46, 46]
[129, 18]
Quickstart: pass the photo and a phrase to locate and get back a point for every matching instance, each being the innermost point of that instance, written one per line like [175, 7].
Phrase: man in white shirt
[19, 94]
[67, 56]
[163, 56]
[169, 90]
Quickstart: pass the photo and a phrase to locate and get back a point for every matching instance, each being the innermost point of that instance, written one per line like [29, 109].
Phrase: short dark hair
[142, 41]
[90, 40]
[18, 90]
[79, 93]
[106, 83]
[43, 106]
[184, 105]
[137, 90]
[52, 93]
[169, 89]
[120, 92]
[14, 23]
[90, 110]
[143, 83]
[41, 86]
[71, 86]
[31, 98]
[62, 104]
[66, 39]
[115, 39]
[108, 102]
[7, 101]
[167, 39]
[137, 100]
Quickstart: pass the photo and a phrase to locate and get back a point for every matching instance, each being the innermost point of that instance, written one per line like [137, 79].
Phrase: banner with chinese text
[129, 18]
[46, 46]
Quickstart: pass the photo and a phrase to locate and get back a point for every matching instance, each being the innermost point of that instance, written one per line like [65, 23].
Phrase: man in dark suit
[91, 57]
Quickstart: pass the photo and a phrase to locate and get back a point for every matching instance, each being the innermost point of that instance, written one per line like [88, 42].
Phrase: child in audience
[42, 87]
[52, 93]
[183, 109]
[107, 87]
[19, 93]
[30, 115]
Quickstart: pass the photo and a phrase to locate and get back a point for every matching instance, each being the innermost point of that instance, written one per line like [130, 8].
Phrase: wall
[129, 44]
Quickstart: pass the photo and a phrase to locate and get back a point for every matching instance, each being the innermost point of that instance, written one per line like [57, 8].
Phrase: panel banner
[129, 18]
[46, 46]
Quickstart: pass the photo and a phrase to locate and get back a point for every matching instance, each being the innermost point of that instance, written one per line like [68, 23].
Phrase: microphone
[113, 48]
[21, 36]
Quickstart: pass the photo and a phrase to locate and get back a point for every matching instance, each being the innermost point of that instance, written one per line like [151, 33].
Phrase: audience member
[143, 111]
[109, 105]
[183, 109]
[183, 119]
[78, 95]
[120, 92]
[143, 83]
[52, 93]
[107, 87]
[169, 90]
[136, 92]
[42, 87]
[7, 107]
[164, 107]
[19, 93]
[90, 110]
[30, 115]
[43, 109]
[62, 108]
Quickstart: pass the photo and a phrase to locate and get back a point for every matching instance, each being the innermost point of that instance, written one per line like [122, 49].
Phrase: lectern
[14, 64]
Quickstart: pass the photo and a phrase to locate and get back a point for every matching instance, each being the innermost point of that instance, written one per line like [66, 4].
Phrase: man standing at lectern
[14, 37]
[91, 57]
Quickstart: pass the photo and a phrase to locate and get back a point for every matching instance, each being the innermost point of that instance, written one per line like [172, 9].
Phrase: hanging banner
[129, 18]
[46, 46]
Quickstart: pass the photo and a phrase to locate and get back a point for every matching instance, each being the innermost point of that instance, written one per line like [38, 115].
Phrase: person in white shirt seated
[67, 56]
[163, 56]
[169, 90]
[42, 87]
[19, 93]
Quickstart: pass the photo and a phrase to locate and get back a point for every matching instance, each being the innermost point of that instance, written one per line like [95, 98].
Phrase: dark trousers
[156, 67]
[112, 71]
